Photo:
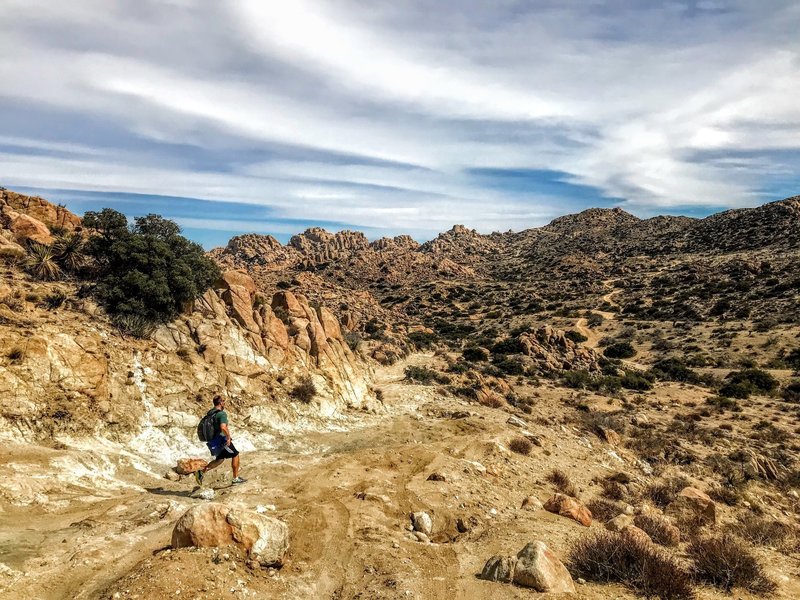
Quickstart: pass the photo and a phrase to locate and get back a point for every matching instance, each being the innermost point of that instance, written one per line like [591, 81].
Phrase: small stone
[531, 503]
[581, 581]
[422, 521]
[422, 537]
[435, 476]
[499, 568]
[619, 523]
[172, 475]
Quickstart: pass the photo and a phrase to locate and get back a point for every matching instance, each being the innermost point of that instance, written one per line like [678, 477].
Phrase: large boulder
[25, 228]
[213, 525]
[421, 521]
[692, 504]
[569, 507]
[538, 568]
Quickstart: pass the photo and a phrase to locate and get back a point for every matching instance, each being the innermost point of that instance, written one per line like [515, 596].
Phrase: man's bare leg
[214, 464]
[235, 466]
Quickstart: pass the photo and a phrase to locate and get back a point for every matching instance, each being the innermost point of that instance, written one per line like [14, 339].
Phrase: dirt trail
[346, 497]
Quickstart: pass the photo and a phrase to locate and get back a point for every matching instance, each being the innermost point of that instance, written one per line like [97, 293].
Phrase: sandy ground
[346, 497]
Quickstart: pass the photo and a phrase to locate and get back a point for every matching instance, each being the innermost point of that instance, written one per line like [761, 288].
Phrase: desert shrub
[55, 299]
[575, 336]
[636, 381]
[182, 353]
[619, 350]
[761, 531]
[134, 325]
[304, 390]
[729, 495]
[521, 445]
[425, 376]
[791, 393]
[16, 354]
[31, 297]
[353, 340]
[492, 401]
[613, 490]
[40, 262]
[562, 482]
[511, 345]
[604, 510]
[740, 384]
[664, 491]
[792, 359]
[658, 527]
[69, 251]
[724, 561]
[422, 339]
[607, 557]
[594, 320]
[673, 369]
[475, 354]
[147, 270]
[511, 366]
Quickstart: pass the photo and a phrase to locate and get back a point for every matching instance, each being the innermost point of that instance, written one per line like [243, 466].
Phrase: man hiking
[221, 446]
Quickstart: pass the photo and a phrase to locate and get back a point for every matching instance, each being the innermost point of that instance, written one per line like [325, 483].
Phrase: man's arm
[224, 428]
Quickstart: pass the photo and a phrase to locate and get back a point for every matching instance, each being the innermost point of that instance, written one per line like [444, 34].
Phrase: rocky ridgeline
[25, 219]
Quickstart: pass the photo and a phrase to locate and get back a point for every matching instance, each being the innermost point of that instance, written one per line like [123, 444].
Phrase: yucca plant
[41, 262]
[69, 251]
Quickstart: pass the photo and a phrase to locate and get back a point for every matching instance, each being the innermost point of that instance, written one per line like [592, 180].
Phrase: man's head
[219, 402]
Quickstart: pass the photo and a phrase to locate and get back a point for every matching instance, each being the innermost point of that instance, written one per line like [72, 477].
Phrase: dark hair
[218, 400]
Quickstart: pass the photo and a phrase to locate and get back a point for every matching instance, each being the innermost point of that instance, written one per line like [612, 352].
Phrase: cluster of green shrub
[146, 271]
[425, 376]
[609, 381]
[742, 384]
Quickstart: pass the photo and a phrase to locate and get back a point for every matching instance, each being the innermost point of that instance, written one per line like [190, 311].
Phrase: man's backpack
[207, 427]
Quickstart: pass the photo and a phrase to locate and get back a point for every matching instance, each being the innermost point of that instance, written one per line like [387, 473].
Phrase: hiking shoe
[198, 477]
[236, 480]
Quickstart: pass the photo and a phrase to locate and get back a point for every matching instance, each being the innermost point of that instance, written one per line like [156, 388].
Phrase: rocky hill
[66, 368]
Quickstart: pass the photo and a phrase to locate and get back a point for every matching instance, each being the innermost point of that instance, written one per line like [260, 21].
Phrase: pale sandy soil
[111, 543]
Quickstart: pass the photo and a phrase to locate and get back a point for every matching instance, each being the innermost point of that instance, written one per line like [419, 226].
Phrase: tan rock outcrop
[692, 504]
[569, 507]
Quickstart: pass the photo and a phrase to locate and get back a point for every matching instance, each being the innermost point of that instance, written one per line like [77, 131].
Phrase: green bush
[422, 339]
[674, 369]
[425, 376]
[740, 384]
[637, 382]
[575, 336]
[147, 270]
[620, 350]
[510, 345]
[475, 354]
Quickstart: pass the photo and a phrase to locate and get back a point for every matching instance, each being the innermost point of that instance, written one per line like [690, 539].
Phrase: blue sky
[398, 117]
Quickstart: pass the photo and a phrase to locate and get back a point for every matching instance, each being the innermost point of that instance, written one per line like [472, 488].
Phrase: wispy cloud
[404, 116]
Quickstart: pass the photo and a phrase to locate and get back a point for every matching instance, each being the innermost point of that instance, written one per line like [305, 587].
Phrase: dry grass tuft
[659, 528]
[616, 557]
[725, 561]
[521, 445]
[604, 510]
[562, 482]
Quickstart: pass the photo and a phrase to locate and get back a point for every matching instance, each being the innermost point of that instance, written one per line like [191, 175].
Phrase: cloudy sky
[398, 117]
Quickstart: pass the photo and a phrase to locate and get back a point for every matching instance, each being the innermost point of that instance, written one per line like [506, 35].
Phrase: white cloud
[298, 101]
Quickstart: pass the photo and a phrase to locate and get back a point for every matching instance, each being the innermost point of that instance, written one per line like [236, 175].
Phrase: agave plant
[68, 250]
[41, 262]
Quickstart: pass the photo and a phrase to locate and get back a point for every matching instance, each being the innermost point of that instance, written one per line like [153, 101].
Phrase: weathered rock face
[692, 504]
[538, 568]
[214, 525]
[553, 351]
[185, 466]
[41, 210]
[569, 507]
